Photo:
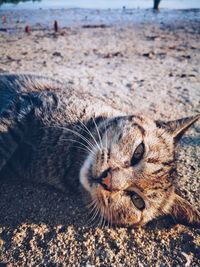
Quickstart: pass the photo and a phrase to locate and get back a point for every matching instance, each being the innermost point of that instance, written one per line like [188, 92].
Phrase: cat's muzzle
[105, 179]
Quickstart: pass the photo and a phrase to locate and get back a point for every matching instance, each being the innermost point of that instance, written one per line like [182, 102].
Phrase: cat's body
[52, 134]
[46, 109]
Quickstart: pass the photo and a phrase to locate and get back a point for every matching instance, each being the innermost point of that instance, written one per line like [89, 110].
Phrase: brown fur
[51, 134]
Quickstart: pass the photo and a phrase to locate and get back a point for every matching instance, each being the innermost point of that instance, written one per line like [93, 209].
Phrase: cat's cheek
[132, 219]
[126, 213]
[83, 179]
[135, 217]
[83, 176]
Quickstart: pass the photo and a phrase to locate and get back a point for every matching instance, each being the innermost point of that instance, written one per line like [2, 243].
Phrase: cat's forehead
[134, 122]
[137, 128]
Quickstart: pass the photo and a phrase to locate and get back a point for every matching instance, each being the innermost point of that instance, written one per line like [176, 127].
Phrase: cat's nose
[105, 179]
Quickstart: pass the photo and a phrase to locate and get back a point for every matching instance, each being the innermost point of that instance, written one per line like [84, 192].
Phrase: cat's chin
[112, 213]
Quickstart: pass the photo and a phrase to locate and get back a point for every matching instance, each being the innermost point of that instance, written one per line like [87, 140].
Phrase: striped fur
[51, 134]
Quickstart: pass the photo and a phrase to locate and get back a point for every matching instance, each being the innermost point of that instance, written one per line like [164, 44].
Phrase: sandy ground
[148, 67]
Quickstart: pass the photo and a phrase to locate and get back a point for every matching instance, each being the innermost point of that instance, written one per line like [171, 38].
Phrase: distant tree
[156, 4]
[15, 1]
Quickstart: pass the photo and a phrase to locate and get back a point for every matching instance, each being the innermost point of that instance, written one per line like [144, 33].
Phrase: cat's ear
[183, 212]
[178, 127]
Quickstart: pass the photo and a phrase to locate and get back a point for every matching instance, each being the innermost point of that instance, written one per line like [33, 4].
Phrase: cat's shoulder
[51, 92]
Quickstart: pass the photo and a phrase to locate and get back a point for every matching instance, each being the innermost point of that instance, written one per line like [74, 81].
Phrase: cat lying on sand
[125, 163]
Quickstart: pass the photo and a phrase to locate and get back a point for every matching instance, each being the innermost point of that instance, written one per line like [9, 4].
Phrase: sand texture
[149, 67]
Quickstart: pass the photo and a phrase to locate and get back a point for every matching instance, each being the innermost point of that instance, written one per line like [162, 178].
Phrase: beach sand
[151, 67]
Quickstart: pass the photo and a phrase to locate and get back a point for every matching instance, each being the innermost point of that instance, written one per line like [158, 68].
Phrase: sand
[151, 67]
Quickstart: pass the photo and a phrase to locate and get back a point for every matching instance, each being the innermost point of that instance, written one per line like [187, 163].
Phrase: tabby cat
[125, 163]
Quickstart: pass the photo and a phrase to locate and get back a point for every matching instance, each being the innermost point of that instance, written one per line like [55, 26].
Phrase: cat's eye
[137, 200]
[138, 154]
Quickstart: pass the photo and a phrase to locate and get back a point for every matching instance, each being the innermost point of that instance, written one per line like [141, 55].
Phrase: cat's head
[129, 172]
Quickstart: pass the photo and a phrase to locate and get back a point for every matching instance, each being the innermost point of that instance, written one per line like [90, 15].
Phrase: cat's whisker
[94, 211]
[97, 129]
[97, 216]
[73, 122]
[75, 141]
[86, 202]
[92, 207]
[79, 126]
[94, 216]
[103, 218]
[76, 133]
[79, 135]
[82, 137]
[88, 131]
[81, 148]
[108, 215]
[89, 152]
[100, 220]
[91, 203]
[106, 141]
[90, 220]
[106, 134]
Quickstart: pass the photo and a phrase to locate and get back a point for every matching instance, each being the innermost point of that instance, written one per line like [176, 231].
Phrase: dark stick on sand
[27, 29]
[55, 26]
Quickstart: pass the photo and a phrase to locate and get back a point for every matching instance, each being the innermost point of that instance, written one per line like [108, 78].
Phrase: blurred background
[102, 4]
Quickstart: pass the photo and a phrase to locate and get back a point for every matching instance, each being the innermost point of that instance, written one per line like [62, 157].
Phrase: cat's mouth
[105, 182]
[121, 206]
